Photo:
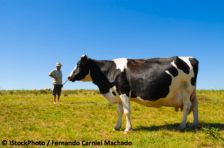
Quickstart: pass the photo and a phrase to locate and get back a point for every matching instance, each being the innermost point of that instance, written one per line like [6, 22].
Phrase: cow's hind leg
[120, 114]
[194, 101]
[186, 109]
[126, 106]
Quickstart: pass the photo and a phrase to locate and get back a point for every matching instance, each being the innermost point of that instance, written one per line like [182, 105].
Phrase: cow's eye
[82, 64]
[78, 63]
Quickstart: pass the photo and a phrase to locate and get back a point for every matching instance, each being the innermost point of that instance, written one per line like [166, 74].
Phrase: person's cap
[58, 64]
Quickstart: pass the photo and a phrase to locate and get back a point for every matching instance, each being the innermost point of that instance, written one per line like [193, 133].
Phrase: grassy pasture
[86, 115]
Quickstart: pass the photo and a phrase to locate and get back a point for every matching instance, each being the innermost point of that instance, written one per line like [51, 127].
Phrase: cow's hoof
[181, 127]
[195, 125]
[116, 129]
[127, 131]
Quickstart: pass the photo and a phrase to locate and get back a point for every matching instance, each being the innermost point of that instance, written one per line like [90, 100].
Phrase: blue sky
[35, 34]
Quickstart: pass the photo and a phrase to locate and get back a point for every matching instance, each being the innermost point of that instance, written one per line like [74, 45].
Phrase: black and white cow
[151, 82]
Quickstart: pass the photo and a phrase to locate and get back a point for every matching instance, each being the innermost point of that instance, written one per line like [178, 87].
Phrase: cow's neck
[98, 72]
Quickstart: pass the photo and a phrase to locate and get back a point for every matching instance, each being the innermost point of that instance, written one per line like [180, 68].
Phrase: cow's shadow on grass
[174, 127]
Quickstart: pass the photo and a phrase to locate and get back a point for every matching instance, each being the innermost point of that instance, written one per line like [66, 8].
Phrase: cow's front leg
[126, 107]
[120, 114]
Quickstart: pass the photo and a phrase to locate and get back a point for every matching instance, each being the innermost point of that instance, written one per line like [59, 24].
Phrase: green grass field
[86, 115]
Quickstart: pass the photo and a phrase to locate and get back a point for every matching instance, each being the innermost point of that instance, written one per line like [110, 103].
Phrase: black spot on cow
[194, 63]
[182, 65]
[122, 84]
[99, 78]
[173, 71]
[105, 75]
[148, 78]
[159, 88]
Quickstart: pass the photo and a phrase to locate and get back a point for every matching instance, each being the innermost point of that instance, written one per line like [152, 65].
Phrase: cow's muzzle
[70, 79]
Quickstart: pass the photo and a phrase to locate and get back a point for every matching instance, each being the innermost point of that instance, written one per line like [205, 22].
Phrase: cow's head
[81, 71]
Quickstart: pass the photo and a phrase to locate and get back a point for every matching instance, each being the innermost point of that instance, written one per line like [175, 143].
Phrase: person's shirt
[58, 75]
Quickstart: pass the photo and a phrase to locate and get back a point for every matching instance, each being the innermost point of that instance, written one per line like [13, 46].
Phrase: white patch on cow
[182, 75]
[187, 61]
[110, 96]
[168, 73]
[121, 63]
[174, 65]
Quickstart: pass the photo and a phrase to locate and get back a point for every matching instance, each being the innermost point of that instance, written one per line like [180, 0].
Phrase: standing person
[56, 74]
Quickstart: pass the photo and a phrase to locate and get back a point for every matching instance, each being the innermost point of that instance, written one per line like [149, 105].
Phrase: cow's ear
[84, 58]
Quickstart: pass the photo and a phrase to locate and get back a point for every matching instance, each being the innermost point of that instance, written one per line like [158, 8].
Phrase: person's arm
[51, 74]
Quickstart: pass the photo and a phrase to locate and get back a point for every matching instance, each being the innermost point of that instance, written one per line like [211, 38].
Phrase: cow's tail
[195, 65]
